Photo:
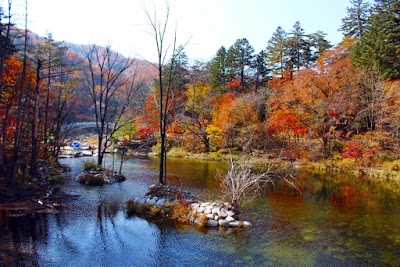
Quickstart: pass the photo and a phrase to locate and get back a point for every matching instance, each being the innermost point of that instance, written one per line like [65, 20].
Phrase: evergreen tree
[356, 21]
[277, 51]
[179, 68]
[296, 47]
[316, 45]
[262, 70]
[218, 69]
[379, 48]
[240, 61]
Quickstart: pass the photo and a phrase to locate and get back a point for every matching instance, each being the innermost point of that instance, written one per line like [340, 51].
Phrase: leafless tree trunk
[35, 122]
[112, 84]
[166, 84]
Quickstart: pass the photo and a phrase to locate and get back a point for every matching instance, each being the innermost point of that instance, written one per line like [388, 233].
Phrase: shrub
[177, 152]
[131, 207]
[352, 149]
[91, 179]
[180, 212]
[89, 165]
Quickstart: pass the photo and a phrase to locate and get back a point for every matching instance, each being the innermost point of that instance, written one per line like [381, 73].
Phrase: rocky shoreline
[173, 203]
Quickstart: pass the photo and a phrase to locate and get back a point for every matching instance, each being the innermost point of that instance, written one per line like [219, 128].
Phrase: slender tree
[51, 54]
[112, 86]
[317, 45]
[297, 47]
[166, 84]
[262, 70]
[218, 68]
[240, 61]
[277, 52]
[356, 20]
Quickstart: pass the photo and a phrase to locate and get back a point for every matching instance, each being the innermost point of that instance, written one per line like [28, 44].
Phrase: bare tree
[166, 83]
[112, 84]
[240, 184]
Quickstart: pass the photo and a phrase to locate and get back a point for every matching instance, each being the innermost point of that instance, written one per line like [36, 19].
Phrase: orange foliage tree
[315, 102]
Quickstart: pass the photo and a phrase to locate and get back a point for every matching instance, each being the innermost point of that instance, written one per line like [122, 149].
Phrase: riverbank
[32, 195]
[386, 173]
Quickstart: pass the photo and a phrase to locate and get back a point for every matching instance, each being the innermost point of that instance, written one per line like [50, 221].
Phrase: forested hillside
[300, 96]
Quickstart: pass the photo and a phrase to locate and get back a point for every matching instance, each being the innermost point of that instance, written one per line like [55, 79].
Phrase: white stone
[223, 223]
[210, 216]
[222, 213]
[152, 186]
[229, 219]
[195, 206]
[201, 209]
[234, 224]
[151, 201]
[207, 210]
[160, 202]
[215, 210]
[140, 201]
[216, 217]
[230, 213]
[212, 223]
[204, 204]
[247, 224]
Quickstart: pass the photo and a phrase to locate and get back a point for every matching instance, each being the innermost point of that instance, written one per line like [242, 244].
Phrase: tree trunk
[35, 150]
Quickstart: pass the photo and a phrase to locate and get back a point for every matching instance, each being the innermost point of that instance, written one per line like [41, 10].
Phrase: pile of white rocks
[210, 214]
[217, 214]
[150, 200]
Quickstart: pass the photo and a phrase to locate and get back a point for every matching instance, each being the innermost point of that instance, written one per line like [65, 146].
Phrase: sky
[203, 25]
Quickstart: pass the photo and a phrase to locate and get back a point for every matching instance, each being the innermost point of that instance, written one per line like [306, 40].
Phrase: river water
[337, 221]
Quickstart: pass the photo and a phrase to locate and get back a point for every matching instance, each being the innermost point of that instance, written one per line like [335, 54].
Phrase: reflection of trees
[106, 213]
[20, 236]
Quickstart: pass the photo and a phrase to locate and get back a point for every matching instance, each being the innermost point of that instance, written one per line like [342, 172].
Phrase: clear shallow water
[336, 222]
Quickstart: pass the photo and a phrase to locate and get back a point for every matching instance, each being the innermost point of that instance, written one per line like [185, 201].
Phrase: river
[337, 221]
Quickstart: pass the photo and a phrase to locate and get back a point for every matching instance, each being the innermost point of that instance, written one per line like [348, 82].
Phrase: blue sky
[206, 24]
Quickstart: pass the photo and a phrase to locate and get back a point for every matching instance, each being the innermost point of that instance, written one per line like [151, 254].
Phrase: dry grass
[181, 212]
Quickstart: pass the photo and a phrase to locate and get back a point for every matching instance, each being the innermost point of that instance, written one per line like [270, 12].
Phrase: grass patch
[178, 152]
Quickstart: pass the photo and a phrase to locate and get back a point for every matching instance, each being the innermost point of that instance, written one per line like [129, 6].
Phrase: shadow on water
[338, 221]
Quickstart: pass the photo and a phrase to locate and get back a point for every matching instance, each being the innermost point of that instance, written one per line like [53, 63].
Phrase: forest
[301, 98]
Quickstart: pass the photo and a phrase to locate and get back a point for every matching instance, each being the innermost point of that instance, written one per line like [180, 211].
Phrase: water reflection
[338, 221]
